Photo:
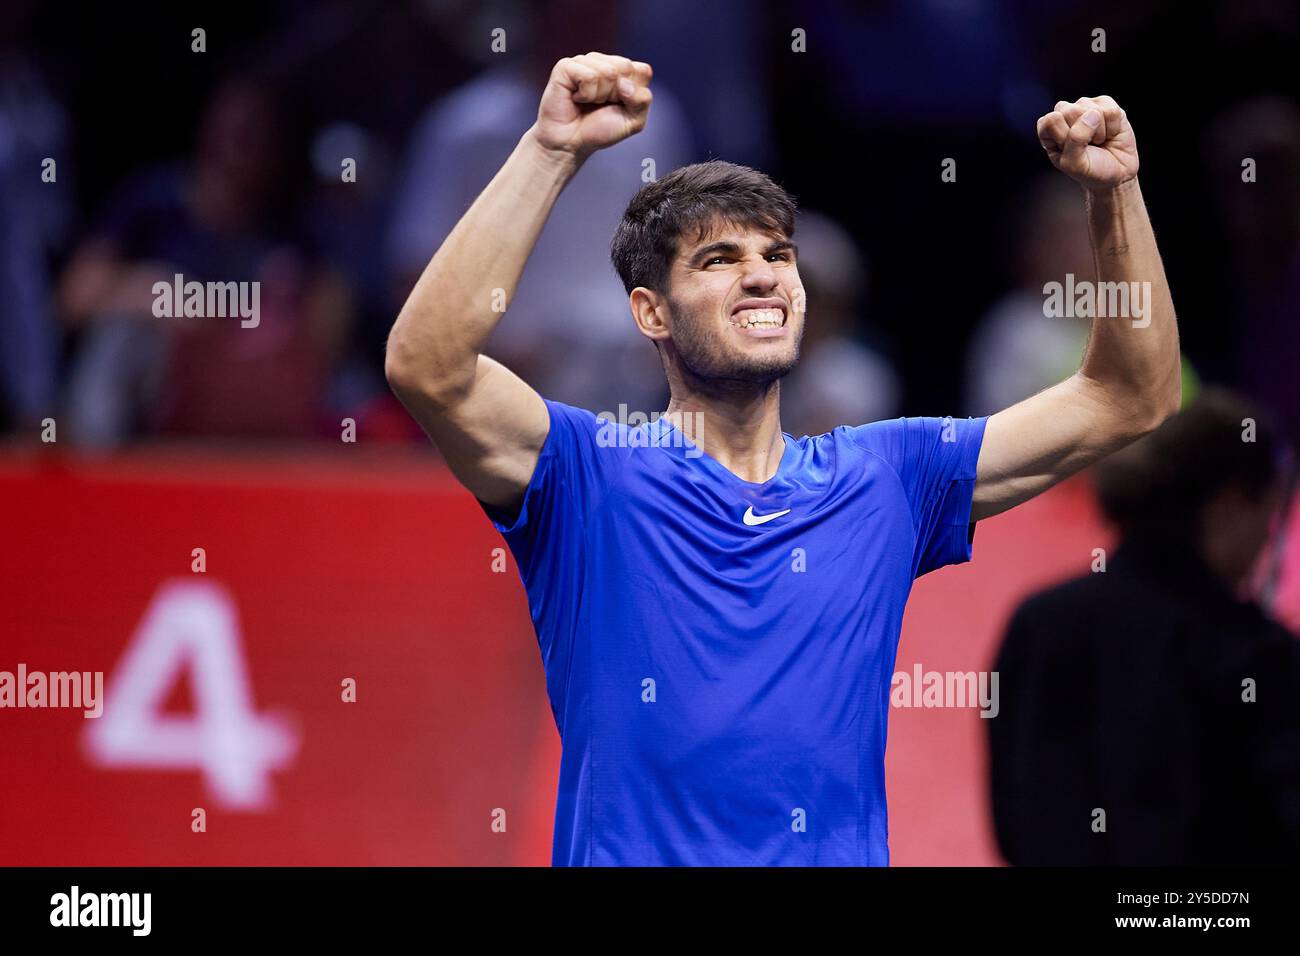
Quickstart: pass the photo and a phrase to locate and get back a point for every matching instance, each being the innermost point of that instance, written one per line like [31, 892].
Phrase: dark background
[857, 126]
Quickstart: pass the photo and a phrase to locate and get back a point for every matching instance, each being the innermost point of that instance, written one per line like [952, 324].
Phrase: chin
[718, 364]
[764, 369]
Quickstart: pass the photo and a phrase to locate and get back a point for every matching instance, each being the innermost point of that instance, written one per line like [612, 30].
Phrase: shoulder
[884, 434]
[601, 439]
[1050, 604]
[600, 429]
[904, 442]
[571, 415]
[1050, 622]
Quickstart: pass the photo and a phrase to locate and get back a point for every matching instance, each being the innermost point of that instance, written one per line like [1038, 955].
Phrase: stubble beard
[704, 360]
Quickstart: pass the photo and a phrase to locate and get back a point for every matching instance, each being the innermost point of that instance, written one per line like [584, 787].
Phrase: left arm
[1129, 381]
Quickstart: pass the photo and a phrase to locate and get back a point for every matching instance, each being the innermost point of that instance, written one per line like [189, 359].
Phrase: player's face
[736, 305]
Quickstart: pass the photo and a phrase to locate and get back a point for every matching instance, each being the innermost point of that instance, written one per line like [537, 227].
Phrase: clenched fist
[593, 101]
[1090, 141]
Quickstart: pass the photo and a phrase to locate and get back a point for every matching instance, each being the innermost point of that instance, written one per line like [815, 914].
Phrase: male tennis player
[718, 603]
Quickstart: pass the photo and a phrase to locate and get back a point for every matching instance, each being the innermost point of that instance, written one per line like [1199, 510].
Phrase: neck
[1185, 558]
[740, 429]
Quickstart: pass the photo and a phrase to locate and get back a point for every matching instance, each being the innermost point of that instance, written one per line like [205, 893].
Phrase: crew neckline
[789, 453]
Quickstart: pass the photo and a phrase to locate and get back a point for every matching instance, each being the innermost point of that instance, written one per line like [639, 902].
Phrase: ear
[651, 313]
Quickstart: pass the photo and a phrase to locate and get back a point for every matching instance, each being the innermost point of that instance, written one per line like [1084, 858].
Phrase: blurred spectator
[34, 216]
[568, 331]
[1262, 219]
[840, 379]
[221, 219]
[1017, 350]
[1151, 689]
[345, 221]
[408, 52]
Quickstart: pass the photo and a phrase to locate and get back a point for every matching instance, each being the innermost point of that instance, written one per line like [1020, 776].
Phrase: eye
[783, 256]
[716, 259]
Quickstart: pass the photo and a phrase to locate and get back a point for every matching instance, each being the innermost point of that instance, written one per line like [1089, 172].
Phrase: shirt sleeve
[566, 479]
[934, 459]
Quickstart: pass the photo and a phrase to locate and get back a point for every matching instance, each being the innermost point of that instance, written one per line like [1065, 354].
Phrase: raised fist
[1090, 141]
[593, 101]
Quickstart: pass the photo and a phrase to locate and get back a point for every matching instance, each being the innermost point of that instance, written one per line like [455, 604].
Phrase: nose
[759, 277]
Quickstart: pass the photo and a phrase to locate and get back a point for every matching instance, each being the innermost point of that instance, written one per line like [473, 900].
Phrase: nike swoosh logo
[752, 519]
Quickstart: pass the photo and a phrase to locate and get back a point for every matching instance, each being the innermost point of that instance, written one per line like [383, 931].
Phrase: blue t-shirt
[719, 653]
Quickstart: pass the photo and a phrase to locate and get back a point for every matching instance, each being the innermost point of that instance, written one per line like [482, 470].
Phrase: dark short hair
[686, 203]
[1161, 482]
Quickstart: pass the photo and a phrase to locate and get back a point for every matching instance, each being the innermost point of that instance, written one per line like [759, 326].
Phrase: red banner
[328, 660]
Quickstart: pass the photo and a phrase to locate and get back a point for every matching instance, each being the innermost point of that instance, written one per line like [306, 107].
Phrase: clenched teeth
[759, 318]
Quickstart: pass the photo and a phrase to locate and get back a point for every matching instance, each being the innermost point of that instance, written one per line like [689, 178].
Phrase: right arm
[487, 422]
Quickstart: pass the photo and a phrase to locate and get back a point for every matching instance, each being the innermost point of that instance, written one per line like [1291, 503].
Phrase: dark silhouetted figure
[1149, 714]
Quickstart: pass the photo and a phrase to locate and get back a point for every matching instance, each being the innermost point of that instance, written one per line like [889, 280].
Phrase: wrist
[562, 162]
[1113, 193]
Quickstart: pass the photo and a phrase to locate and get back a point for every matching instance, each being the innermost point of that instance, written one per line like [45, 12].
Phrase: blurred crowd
[324, 150]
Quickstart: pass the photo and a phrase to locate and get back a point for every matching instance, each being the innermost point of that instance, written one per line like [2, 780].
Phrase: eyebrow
[779, 245]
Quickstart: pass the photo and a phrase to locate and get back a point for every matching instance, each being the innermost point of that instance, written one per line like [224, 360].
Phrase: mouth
[760, 318]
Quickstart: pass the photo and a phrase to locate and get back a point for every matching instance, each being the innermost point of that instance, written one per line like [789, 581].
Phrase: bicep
[491, 436]
[1044, 439]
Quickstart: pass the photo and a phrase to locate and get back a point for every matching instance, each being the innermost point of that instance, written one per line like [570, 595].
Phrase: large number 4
[191, 625]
